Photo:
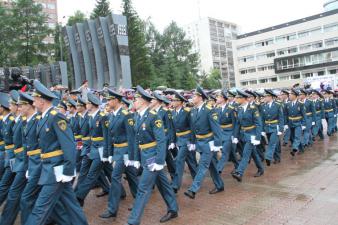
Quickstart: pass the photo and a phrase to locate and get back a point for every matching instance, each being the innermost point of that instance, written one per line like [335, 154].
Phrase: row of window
[48, 5]
[288, 37]
[307, 60]
[289, 77]
[291, 50]
[260, 68]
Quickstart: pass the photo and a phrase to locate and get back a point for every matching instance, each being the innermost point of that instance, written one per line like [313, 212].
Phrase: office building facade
[289, 53]
[212, 41]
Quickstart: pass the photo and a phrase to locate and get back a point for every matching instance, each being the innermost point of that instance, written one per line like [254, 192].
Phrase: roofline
[291, 23]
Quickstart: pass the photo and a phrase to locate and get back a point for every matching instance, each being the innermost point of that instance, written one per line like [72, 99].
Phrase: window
[244, 83]
[280, 39]
[253, 82]
[331, 42]
[290, 37]
[284, 78]
[51, 6]
[244, 47]
[305, 47]
[249, 58]
[306, 75]
[51, 25]
[270, 54]
[264, 43]
[331, 27]
[333, 71]
[321, 73]
[263, 81]
[295, 76]
[302, 34]
[317, 45]
[251, 70]
[274, 79]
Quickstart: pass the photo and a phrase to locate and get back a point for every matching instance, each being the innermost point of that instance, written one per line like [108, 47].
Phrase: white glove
[279, 133]
[66, 179]
[128, 163]
[263, 134]
[313, 123]
[136, 164]
[255, 142]
[286, 127]
[156, 167]
[235, 141]
[104, 159]
[191, 147]
[215, 149]
[110, 159]
[26, 174]
[303, 127]
[171, 146]
[335, 116]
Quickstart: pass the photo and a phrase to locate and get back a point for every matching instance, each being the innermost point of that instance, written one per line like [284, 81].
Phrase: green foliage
[212, 80]
[142, 68]
[101, 9]
[23, 30]
[78, 17]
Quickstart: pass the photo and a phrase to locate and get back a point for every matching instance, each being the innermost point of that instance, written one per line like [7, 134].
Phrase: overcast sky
[248, 14]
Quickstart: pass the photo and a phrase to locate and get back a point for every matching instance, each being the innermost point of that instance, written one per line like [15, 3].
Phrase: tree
[78, 17]
[172, 57]
[5, 31]
[29, 30]
[212, 80]
[142, 69]
[101, 9]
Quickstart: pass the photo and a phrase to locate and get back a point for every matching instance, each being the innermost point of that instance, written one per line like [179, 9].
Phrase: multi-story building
[49, 7]
[289, 53]
[212, 41]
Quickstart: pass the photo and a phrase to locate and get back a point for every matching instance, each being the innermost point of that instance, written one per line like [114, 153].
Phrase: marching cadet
[2, 143]
[84, 147]
[330, 110]
[227, 119]
[121, 141]
[57, 145]
[295, 121]
[273, 124]
[98, 126]
[182, 128]
[310, 117]
[208, 141]
[317, 99]
[165, 115]
[9, 120]
[252, 100]
[62, 108]
[74, 118]
[150, 153]
[284, 98]
[248, 130]
[11, 207]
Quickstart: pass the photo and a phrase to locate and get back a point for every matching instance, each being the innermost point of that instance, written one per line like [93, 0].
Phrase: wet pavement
[300, 190]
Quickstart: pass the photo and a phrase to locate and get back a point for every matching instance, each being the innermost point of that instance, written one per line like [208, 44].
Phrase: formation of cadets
[54, 152]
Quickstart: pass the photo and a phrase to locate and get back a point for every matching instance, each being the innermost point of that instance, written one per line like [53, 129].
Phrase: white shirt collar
[45, 112]
[245, 106]
[143, 111]
[5, 117]
[158, 108]
[30, 118]
[200, 107]
[94, 114]
[178, 110]
[84, 114]
[17, 118]
[115, 112]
